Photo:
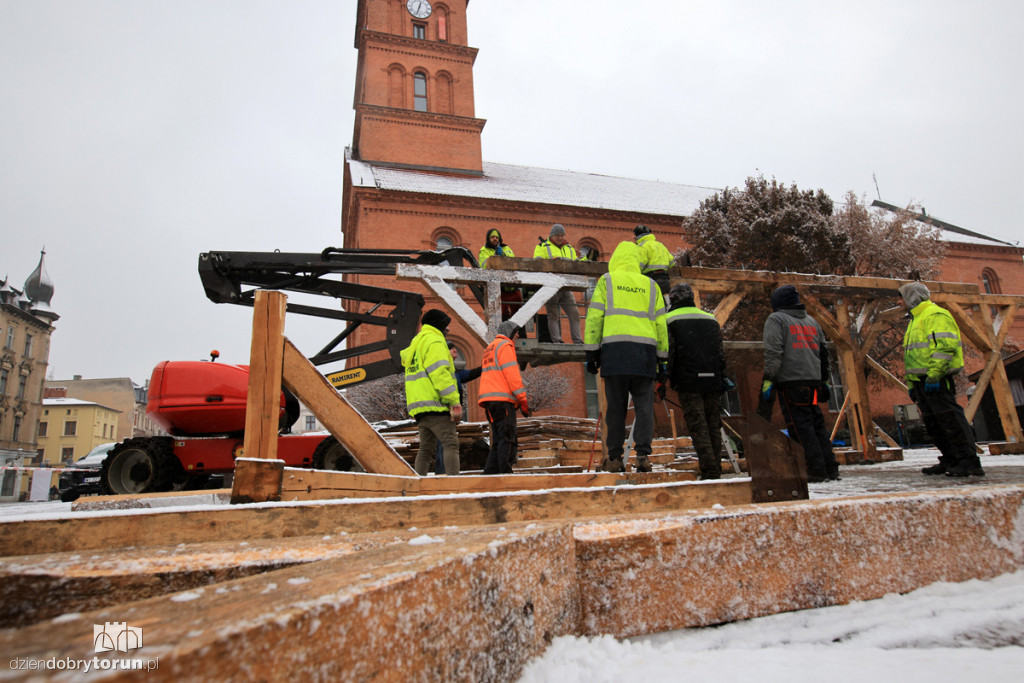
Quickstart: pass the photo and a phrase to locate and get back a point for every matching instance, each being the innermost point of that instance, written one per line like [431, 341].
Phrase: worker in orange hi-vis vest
[501, 392]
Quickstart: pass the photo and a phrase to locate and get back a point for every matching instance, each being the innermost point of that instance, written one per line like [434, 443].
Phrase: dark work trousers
[946, 423]
[434, 428]
[807, 427]
[703, 413]
[660, 278]
[501, 415]
[617, 390]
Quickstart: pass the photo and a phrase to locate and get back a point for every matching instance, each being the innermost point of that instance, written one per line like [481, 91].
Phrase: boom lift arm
[234, 276]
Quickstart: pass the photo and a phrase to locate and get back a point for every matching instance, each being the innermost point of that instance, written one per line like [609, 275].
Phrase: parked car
[83, 477]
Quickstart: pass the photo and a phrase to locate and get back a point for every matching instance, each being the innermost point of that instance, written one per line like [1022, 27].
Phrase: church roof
[509, 182]
[513, 183]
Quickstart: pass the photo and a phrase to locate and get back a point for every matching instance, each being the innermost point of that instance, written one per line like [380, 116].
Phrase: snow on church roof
[541, 185]
[508, 182]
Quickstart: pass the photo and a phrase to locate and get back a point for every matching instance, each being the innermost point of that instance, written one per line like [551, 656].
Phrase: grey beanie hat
[557, 229]
[507, 329]
[914, 293]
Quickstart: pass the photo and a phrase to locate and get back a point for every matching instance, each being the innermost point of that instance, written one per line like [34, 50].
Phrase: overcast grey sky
[135, 134]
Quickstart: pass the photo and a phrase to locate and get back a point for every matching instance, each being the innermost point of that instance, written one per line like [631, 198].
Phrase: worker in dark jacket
[626, 339]
[796, 367]
[696, 371]
[933, 354]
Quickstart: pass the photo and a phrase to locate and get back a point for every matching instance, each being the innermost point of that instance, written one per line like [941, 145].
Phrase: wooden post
[263, 407]
[336, 414]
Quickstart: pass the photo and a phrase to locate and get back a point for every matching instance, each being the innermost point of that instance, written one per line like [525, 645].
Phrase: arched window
[990, 281]
[443, 238]
[589, 249]
[419, 91]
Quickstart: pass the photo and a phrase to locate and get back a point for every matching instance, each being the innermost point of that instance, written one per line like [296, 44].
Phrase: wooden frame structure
[853, 311]
[260, 477]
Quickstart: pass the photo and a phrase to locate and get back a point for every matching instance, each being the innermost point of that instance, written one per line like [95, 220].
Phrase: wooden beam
[877, 367]
[947, 535]
[885, 437]
[883, 322]
[285, 520]
[339, 417]
[836, 331]
[982, 384]
[302, 484]
[263, 404]
[727, 305]
[980, 337]
[858, 416]
[257, 480]
[39, 587]
[1000, 383]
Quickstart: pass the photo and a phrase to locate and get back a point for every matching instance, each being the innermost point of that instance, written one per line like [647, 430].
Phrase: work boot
[710, 475]
[934, 469]
[613, 465]
[816, 478]
[965, 469]
[643, 464]
[833, 473]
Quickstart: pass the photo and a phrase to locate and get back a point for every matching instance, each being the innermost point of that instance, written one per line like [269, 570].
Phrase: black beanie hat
[436, 318]
[785, 297]
[681, 295]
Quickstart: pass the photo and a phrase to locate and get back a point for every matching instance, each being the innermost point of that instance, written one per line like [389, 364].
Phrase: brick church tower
[414, 104]
[415, 179]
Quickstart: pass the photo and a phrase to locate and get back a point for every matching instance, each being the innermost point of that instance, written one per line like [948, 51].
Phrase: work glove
[455, 413]
[824, 393]
[660, 390]
[525, 411]
[662, 373]
[767, 390]
[727, 384]
[932, 386]
[593, 361]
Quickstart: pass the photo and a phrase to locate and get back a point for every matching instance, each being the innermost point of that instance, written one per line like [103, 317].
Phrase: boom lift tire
[139, 465]
[331, 455]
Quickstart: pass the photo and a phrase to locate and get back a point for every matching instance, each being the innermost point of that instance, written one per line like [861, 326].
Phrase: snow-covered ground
[966, 632]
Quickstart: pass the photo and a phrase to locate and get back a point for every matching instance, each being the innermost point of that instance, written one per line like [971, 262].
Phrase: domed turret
[39, 286]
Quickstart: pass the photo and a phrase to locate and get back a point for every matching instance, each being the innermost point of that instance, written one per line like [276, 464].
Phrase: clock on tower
[419, 8]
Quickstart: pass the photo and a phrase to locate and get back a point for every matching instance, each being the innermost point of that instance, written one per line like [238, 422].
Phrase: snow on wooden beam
[283, 520]
[696, 569]
[471, 605]
[38, 587]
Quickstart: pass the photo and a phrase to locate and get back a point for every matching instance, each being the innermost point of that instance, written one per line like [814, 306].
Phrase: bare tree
[380, 399]
[545, 387]
[887, 244]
